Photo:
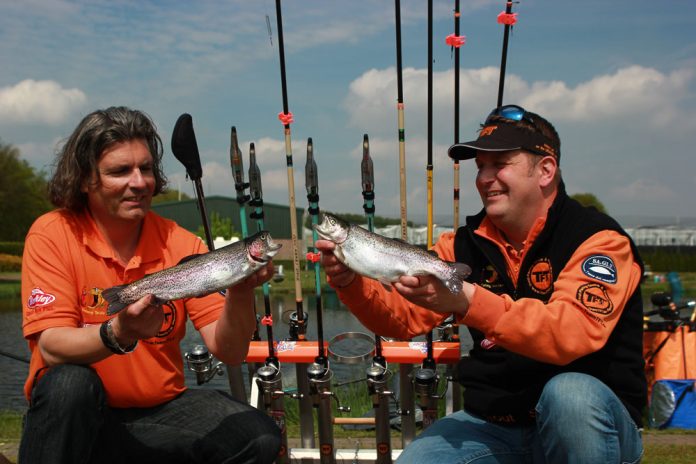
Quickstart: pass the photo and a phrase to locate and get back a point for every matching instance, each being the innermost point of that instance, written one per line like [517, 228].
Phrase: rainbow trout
[386, 259]
[198, 275]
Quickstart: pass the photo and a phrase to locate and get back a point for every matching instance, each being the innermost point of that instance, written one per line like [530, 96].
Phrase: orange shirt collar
[150, 240]
[513, 258]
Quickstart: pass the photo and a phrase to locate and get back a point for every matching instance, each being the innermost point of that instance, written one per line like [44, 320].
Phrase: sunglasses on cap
[513, 112]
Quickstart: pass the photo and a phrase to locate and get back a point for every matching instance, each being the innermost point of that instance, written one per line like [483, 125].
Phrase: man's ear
[547, 167]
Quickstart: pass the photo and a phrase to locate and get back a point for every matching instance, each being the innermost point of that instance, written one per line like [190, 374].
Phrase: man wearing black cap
[553, 305]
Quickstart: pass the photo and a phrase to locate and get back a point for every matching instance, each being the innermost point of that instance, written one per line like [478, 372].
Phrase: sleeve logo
[601, 268]
[540, 276]
[594, 297]
[39, 299]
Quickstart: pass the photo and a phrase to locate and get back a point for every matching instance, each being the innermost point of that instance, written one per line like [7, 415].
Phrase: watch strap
[106, 332]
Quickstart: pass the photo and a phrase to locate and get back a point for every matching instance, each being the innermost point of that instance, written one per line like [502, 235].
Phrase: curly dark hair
[77, 161]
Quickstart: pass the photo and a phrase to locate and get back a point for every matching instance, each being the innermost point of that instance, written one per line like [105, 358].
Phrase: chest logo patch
[600, 267]
[39, 299]
[540, 276]
[594, 297]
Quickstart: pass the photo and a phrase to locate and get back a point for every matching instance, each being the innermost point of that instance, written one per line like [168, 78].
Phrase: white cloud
[43, 102]
[635, 90]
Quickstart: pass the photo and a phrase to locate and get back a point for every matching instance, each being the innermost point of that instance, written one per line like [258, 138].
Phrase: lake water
[337, 319]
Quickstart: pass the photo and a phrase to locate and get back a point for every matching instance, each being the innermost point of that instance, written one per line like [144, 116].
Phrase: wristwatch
[106, 332]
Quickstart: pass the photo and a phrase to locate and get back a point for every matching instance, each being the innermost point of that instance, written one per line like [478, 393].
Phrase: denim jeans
[69, 422]
[579, 420]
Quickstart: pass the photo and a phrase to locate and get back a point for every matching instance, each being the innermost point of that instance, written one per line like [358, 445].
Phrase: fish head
[261, 246]
[332, 228]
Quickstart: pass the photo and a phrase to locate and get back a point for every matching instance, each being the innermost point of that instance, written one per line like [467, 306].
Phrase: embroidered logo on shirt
[490, 279]
[92, 300]
[540, 276]
[39, 299]
[600, 267]
[169, 322]
[594, 297]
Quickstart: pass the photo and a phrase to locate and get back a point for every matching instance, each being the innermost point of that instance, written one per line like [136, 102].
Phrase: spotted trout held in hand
[198, 275]
[386, 259]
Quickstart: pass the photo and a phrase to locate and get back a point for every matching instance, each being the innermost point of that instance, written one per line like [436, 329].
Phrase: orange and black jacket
[504, 386]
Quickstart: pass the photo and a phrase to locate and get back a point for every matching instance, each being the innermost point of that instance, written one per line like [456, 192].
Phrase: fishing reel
[378, 376]
[269, 380]
[426, 381]
[320, 376]
[200, 361]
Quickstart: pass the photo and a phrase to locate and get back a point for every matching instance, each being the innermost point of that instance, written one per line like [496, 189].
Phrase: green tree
[23, 194]
[219, 227]
[169, 195]
[589, 199]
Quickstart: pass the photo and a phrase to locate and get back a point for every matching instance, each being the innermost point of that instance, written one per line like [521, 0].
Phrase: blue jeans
[69, 422]
[579, 420]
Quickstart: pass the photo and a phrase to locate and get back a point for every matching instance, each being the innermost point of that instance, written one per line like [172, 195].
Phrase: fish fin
[112, 298]
[188, 258]
[461, 272]
[433, 253]
[387, 285]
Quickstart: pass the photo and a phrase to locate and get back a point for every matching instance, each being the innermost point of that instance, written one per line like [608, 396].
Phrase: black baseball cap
[502, 134]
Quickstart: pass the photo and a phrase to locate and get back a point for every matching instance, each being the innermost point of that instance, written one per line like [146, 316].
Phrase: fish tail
[112, 297]
[461, 272]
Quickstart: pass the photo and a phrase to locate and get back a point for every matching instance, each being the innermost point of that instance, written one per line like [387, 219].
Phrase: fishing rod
[237, 165]
[378, 374]
[508, 18]
[400, 116]
[312, 186]
[319, 372]
[298, 323]
[185, 149]
[269, 376]
[426, 378]
[367, 175]
[408, 420]
[429, 165]
[455, 41]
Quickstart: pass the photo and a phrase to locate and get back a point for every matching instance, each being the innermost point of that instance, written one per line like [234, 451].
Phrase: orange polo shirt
[526, 326]
[66, 266]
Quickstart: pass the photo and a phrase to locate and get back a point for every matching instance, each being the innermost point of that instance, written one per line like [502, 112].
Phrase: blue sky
[615, 77]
